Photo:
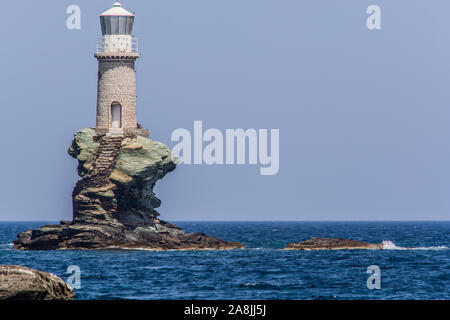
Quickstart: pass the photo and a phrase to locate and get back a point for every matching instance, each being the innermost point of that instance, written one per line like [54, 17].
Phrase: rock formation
[332, 244]
[22, 283]
[113, 202]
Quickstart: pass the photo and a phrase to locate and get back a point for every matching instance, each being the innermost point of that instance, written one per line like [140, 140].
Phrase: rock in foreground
[22, 283]
[114, 204]
[332, 244]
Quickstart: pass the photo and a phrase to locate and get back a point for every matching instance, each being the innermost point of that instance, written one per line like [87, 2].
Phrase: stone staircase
[106, 155]
[103, 166]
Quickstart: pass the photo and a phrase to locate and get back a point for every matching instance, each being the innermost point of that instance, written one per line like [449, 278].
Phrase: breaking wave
[389, 245]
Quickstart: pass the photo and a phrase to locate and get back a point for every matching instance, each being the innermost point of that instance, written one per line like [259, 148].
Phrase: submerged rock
[114, 204]
[22, 283]
[332, 244]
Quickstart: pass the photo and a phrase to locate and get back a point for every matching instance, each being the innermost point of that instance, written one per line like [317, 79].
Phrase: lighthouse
[117, 51]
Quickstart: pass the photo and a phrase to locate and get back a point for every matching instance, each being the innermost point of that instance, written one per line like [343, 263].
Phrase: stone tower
[117, 51]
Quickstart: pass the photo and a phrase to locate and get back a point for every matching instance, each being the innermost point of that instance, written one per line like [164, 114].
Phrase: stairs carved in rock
[103, 166]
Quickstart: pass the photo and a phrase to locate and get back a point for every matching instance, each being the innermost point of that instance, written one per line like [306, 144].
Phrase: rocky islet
[114, 205]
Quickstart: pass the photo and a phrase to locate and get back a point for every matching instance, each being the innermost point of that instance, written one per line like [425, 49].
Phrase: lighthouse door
[116, 112]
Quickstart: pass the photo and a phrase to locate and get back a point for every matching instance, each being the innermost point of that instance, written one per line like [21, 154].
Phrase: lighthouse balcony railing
[104, 46]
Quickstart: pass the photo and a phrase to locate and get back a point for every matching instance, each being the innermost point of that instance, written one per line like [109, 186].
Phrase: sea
[414, 264]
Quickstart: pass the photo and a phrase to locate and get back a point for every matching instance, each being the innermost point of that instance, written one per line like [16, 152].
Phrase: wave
[127, 248]
[258, 285]
[389, 245]
[7, 245]
[156, 249]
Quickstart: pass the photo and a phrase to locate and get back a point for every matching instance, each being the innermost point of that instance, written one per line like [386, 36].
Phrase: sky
[363, 115]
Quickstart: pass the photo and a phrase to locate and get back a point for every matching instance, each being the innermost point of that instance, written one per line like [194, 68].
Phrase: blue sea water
[415, 264]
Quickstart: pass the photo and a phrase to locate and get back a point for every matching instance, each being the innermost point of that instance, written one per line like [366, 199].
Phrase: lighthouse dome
[117, 10]
[117, 21]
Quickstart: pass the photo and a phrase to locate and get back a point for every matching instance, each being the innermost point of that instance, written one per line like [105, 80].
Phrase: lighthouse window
[117, 25]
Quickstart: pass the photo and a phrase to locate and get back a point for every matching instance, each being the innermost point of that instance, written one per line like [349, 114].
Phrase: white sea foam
[126, 248]
[250, 284]
[389, 245]
[159, 250]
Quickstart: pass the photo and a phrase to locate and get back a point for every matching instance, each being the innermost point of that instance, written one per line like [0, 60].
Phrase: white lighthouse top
[117, 10]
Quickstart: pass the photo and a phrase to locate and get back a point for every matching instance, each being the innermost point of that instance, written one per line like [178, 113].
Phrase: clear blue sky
[363, 115]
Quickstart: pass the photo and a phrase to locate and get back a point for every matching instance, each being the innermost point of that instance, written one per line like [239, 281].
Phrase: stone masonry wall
[116, 83]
